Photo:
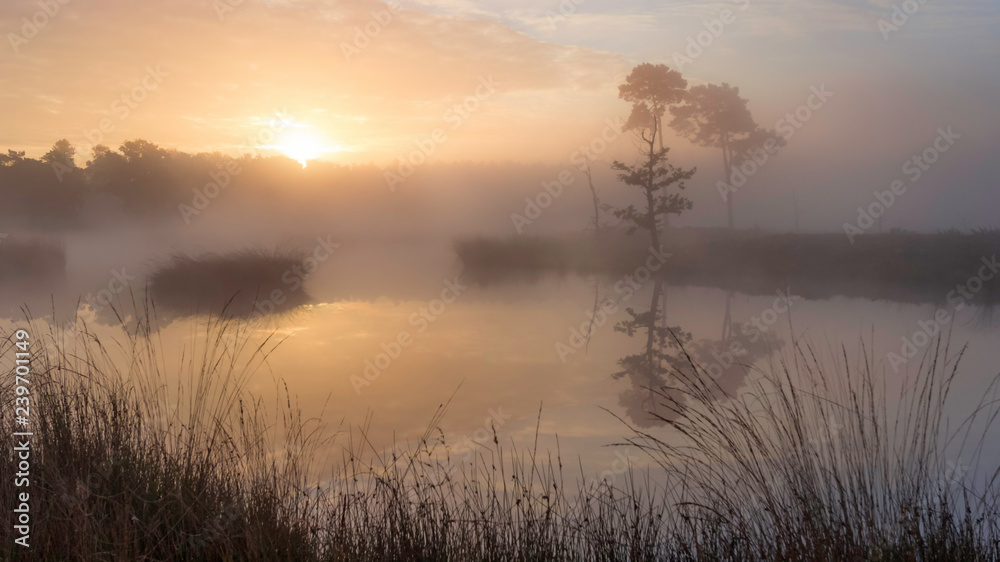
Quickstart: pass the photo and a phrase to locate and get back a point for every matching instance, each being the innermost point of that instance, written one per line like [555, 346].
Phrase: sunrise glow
[302, 143]
[483, 280]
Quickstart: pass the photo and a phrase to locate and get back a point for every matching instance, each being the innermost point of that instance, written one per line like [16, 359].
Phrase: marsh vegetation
[815, 462]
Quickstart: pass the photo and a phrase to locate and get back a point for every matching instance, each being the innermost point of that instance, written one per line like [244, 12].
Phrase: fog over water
[509, 347]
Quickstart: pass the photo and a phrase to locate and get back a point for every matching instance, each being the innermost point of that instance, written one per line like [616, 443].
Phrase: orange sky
[220, 80]
[224, 69]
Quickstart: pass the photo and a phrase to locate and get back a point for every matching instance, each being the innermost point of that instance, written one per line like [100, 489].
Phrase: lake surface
[497, 346]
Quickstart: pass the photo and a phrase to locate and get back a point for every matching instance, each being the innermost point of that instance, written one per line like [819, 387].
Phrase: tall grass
[133, 462]
[814, 462]
[135, 459]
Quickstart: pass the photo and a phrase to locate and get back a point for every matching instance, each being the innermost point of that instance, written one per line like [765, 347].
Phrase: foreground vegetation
[133, 460]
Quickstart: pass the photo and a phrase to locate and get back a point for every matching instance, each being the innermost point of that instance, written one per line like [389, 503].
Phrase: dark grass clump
[897, 266]
[135, 461]
[30, 261]
[489, 261]
[241, 283]
[128, 463]
[814, 462]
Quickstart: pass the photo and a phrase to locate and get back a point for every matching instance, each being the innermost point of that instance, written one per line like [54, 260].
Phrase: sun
[302, 143]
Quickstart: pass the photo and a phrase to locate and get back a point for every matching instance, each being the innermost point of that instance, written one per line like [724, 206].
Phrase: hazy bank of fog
[171, 195]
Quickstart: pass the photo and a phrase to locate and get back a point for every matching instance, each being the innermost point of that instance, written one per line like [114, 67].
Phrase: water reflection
[244, 284]
[35, 281]
[669, 352]
[648, 370]
[500, 340]
[31, 263]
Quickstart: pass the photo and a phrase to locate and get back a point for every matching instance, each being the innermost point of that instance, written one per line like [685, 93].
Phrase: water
[506, 351]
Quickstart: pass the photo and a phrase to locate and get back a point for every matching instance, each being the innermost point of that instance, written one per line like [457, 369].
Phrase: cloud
[263, 57]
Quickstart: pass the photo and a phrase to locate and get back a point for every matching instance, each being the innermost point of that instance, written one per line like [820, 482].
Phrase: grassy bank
[240, 283]
[897, 266]
[133, 462]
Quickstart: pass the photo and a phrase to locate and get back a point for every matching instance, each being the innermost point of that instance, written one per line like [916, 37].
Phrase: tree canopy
[651, 89]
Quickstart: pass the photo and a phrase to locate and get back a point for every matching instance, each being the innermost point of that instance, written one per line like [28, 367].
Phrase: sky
[516, 81]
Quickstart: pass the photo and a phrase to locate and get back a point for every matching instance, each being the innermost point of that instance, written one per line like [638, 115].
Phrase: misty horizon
[491, 280]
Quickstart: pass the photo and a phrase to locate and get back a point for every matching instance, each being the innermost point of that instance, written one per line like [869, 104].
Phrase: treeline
[142, 182]
[139, 179]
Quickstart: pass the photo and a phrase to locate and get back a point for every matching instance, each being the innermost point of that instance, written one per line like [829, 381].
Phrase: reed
[138, 460]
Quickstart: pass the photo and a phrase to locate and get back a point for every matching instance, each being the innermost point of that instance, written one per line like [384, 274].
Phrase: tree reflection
[670, 358]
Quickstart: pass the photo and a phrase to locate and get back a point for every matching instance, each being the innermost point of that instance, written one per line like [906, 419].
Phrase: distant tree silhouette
[33, 193]
[11, 158]
[61, 159]
[142, 176]
[62, 152]
[652, 176]
[147, 180]
[716, 116]
[595, 199]
[651, 89]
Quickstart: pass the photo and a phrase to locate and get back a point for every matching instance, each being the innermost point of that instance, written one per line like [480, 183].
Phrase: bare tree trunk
[663, 310]
[654, 232]
[659, 126]
[593, 314]
[654, 360]
[597, 236]
[727, 161]
[729, 212]
[657, 242]
[727, 319]
[651, 359]
[596, 200]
